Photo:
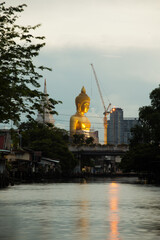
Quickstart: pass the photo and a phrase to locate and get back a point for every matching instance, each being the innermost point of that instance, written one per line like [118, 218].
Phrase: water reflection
[83, 221]
[113, 211]
[69, 211]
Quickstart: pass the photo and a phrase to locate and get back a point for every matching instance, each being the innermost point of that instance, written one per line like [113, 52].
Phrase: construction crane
[106, 110]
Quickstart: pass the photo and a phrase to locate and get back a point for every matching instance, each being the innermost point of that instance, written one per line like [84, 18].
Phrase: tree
[140, 134]
[80, 139]
[52, 142]
[89, 141]
[18, 74]
[149, 118]
[144, 149]
[155, 98]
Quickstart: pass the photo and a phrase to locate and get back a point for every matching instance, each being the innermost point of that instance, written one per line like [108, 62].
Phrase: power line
[63, 120]
[70, 116]
[67, 115]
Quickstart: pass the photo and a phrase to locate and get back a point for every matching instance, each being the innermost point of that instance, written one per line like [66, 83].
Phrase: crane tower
[106, 110]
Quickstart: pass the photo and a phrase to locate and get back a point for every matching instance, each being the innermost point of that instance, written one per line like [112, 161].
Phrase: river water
[105, 209]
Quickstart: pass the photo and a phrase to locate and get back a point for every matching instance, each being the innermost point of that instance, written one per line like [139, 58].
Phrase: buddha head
[82, 102]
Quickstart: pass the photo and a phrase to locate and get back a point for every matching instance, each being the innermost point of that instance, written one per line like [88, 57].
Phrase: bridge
[103, 150]
[105, 157]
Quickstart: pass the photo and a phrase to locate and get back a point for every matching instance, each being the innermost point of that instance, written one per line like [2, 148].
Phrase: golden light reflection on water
[113, 211]
[83, 219]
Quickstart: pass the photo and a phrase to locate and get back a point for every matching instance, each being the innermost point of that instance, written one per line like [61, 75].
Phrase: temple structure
[45, 116]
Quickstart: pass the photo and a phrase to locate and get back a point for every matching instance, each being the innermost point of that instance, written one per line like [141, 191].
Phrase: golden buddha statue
[79, 123]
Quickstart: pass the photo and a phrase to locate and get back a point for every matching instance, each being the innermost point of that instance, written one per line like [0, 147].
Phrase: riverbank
[5, 181]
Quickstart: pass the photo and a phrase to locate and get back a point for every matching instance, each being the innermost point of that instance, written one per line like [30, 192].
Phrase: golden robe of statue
[79, 123]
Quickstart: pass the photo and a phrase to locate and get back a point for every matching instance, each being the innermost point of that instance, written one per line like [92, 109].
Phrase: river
[104, 209]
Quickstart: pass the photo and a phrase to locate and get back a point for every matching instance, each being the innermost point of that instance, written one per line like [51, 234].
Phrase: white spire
[46, 116]
[45, 87]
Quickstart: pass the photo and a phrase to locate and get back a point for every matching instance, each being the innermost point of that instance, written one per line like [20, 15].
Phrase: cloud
[101, 24]
[111, 56]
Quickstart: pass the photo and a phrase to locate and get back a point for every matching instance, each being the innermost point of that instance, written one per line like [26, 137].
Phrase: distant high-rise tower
[115, 126]
[45, 116]
[119, 128]
[129, 123]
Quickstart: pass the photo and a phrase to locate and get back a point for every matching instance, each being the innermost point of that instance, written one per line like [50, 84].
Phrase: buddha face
[83, 108]
[82, 102]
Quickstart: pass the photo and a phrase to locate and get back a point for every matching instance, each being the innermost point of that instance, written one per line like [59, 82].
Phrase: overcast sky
[120, 37]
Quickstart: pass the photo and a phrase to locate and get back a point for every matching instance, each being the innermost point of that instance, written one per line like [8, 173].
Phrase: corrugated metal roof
[4, 151]
[50, 160]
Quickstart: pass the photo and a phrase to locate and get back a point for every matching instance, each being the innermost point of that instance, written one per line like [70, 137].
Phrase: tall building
[45, 116]
[128, 123]
[119, 129]
[115, 126]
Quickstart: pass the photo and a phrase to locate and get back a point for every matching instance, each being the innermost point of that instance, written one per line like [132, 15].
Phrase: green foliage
[144, 153]
[53, 143]
[155, 98]
[18, 74]
[89, 141]
[140, 134]
[141, 158]
[80, 139]
[149, 117]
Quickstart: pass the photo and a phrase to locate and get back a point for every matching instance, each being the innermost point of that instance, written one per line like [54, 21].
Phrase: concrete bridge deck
[99, 150]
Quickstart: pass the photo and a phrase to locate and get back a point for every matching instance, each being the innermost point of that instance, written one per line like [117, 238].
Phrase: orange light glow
[114, 218]
[113, 109]
[83, 220]
[113, 184]
[114, 204]
[114, 229]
